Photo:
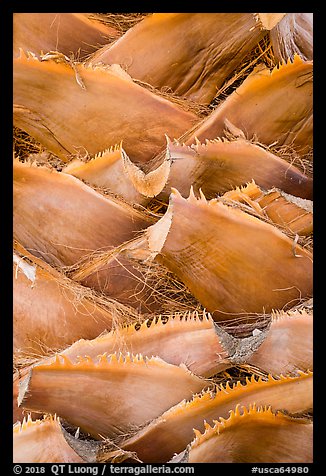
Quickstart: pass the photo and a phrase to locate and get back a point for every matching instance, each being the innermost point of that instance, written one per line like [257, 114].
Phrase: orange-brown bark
[188, 339]
[59, 218]
[191, 53]
[272, 106]
[51, 311]
[41, 441]
[172, 431]
[233, 263]
[68, 119]
[288, 212]
[126, 391]
[69, 33]
[288, 345]
[252, 435]
[219, 165]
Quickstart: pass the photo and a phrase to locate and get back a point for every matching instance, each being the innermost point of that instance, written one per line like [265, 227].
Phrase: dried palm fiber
[69, 33]
[50, 311]
[288, 345]
[42, 441]
[173, 430]
[125, 275]
[131, 254]
[252, 435]
[201, 50]
[273, 106]
[73, 109]
[127, 391]
[120, 21]
[80, 226]
[292, 35]
[167, 339]
[25, 146]
[59, 218]
[287, 152]
[114, 170]
[115, 275]
[220, 164]
[294, 215]
[242, 327]
[205, 244]
[191, 339]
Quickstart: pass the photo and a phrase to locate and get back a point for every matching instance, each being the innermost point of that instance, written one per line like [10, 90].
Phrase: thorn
[113, 359]
[67, 362]
[192, 198]
[207, 426]
[168, 140]
[175, 192]
[127, 358]
[202, 196]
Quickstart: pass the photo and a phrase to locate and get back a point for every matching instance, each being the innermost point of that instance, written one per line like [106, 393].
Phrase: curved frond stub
[218, 165]
[206, 245]
[288, 345]
[273, 106]
[291, 214]
[254, 435]
[127, 391]
[52, 31]
[64, 311]
[148, 184]
[157, 233]
[40, 193]
[191, 54]
[106, 169]
[172, 431]
[188, 339]
[94, 117]
[41, 441]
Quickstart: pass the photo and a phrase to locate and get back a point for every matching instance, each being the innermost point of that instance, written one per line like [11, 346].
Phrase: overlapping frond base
[163, 238]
